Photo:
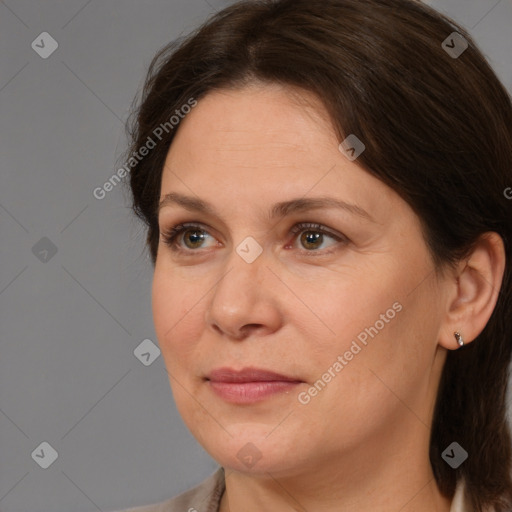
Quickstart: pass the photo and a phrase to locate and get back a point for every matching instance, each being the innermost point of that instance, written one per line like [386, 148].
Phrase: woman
[324, 187]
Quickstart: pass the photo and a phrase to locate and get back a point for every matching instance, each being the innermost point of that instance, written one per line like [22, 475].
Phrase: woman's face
[294, 261]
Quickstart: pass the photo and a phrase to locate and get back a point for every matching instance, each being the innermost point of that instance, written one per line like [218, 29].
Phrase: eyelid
[313, 226]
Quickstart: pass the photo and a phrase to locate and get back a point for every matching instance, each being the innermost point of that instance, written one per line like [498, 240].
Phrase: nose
[244, 301]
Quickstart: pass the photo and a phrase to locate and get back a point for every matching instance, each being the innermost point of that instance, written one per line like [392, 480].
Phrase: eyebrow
[281, 209]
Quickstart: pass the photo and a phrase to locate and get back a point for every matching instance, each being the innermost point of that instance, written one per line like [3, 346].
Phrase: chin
[252, 450]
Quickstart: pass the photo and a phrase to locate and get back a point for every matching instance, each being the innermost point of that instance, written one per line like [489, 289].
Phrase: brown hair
[437, 130]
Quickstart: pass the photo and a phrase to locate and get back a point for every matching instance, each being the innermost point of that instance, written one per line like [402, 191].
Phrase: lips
[248, 375]
[249, 385]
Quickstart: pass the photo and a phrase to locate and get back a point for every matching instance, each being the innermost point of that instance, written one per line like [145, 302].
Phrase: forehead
[265, 119]
[262, 141]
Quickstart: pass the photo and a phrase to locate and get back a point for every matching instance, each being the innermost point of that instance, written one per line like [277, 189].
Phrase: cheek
[175, 316]
[344, 306]
[372, 316]
[389, 344]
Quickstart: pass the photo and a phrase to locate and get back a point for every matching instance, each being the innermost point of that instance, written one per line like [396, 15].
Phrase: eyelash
[170, 236]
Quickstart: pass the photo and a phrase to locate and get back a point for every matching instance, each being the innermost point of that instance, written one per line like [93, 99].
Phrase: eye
[315, 236]
[189, 237]
[193, 237]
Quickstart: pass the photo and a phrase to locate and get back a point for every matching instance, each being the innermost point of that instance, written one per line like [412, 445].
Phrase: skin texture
[361, 443]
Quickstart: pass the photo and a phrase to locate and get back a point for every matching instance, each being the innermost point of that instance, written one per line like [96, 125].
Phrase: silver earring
[459, 339]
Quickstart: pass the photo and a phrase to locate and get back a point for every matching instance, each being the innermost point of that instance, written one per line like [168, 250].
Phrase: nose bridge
[242, 296]
[242, 281]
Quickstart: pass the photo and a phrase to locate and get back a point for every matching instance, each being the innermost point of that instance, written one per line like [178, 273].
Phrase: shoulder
[204, 497]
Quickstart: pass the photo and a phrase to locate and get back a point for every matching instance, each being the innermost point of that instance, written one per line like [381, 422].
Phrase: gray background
[69, 325]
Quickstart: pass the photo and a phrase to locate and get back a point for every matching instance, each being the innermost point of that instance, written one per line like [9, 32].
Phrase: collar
[459, 502]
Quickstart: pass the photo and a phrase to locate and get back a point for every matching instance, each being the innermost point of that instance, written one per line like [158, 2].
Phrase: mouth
[249, 385]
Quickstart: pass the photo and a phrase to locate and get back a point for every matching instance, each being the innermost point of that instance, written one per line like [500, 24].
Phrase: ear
[473, 290]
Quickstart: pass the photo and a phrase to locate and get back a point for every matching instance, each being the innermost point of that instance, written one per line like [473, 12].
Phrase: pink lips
[248, 385]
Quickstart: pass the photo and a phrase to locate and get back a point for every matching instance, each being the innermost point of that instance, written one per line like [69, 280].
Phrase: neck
[386, 478]
[275, 494]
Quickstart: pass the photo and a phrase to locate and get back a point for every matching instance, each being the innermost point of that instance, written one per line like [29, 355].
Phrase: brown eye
[311, 239]
[187, 237]
[193, 238]
[315, 238]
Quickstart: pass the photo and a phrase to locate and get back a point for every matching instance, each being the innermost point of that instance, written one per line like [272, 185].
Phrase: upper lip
[247, 375]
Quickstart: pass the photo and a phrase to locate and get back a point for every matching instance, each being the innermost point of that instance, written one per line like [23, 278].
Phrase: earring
[459, 339]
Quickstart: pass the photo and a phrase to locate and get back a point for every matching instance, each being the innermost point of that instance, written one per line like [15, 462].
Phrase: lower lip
[249, 392]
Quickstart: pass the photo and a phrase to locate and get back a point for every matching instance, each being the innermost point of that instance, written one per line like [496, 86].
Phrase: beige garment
[206, 498]
[203, 498]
